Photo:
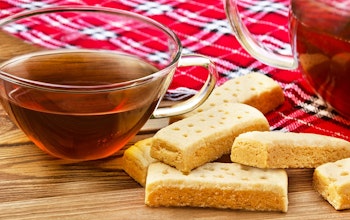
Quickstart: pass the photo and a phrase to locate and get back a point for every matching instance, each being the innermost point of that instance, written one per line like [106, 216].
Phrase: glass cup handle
[196, 100]
[251, 45]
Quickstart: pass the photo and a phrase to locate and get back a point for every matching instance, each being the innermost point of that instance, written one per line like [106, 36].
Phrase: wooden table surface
[34, 185]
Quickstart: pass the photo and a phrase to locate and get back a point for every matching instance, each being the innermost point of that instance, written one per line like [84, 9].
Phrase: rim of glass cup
[96, 88]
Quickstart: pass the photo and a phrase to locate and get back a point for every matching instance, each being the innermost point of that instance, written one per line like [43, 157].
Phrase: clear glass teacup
[78, 99]
[320, 40]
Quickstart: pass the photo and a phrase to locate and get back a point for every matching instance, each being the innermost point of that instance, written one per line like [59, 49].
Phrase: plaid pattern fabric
[202, 28]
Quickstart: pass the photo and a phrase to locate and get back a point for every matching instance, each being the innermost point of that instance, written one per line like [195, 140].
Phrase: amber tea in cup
[81, 125]
[320, 39]
[82, 103]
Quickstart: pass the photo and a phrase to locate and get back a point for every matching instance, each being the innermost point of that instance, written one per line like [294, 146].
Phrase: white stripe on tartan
[153, 8]
[199, 21]
[25, 4]
[189, 75]
[50, 40]
[250, 20]
[293, 121]
[298, 119]
[36, 40]
[276, 45]
[98, 33]
[219, 26]
[198, 41]
[259, 8]
[290, 87]
[31, 5]
[16, 28]
[316, 107]
[138, 49]
[188, 17]
[150, 8]
[9, 11]
[62, 22]
[179, 93]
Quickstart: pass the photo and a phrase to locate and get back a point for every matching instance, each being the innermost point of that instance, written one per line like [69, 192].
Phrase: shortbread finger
[332, 181]
[136, 160]
[254, 89]
[287, 150]
[218, 185]
[206, 136]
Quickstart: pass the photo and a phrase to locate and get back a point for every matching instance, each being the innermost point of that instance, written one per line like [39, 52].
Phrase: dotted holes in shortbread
[332, 179]
[209, 168]
[344, 173]
[231, 173]
[199, 110]
[224, 168]
[165, 172]
[339, 165]
[223, 118]
[219, 176]
[245, 168]
[227, 171]
[190, 125]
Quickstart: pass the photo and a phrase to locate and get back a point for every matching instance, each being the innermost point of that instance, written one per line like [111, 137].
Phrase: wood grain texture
[12, 46]
[34, 185]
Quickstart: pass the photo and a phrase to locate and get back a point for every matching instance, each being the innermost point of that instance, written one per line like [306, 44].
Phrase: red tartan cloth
[202, 28]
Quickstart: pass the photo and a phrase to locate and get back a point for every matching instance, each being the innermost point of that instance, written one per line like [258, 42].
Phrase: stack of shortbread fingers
[177, 165]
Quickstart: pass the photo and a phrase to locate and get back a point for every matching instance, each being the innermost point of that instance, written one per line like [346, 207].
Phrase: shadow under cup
[87, 100]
